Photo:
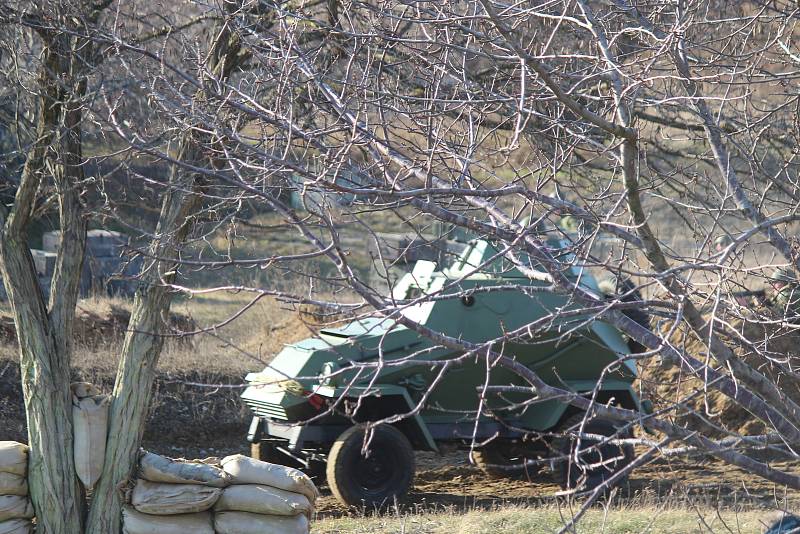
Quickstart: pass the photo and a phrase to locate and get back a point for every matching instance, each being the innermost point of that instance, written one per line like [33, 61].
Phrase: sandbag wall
[16, 511]
[238, 495]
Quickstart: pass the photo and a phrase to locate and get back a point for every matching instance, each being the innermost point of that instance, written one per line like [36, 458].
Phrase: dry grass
[243, 345]
[628, 520]
[185, 415]
[246, 343]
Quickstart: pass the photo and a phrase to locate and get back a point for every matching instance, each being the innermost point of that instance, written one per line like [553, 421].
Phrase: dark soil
[185, 419]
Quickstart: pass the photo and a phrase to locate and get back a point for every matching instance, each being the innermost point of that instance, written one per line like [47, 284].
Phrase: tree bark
[65, 284]
[144, 340]
[44, 357]
[140, 352]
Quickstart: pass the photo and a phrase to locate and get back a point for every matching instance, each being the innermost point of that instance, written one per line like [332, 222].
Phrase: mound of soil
[771, 349]
[92, 328]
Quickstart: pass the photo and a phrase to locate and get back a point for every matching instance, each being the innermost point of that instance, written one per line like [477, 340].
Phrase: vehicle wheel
[383, 475]
[504, 459]
[595, 463]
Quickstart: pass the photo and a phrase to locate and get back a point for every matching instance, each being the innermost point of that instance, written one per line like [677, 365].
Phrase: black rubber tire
[377, 480]
[586, 474]
[507, 460]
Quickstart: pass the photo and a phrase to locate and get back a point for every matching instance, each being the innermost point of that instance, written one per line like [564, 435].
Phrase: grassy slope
[234, 349]
[546, 520]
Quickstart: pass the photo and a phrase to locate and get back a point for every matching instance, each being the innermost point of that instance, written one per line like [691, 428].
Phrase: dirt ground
[191, 421]
[450, 483]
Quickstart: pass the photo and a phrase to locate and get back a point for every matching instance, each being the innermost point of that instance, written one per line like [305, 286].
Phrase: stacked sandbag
[90, 428]
[264, 498]
[16, 511]
[173, 496]
[134, 522]
[155, 468]
[236, 496]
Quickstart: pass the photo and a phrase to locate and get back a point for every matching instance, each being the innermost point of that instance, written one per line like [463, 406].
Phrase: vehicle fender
[551, 412]
[385, 400]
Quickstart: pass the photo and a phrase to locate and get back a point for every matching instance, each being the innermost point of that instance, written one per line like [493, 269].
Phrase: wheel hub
[374, 472]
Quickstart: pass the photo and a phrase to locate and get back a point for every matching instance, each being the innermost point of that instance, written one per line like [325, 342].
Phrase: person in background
[624, 288]
[783, 297]
[722, 242]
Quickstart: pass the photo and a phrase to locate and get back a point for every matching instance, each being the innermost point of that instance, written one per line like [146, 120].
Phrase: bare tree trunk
[45, 383]
[143, 343]
[65, 284]
[44, 354]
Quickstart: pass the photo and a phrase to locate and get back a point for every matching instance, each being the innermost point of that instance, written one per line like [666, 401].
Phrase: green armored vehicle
[312, 402]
